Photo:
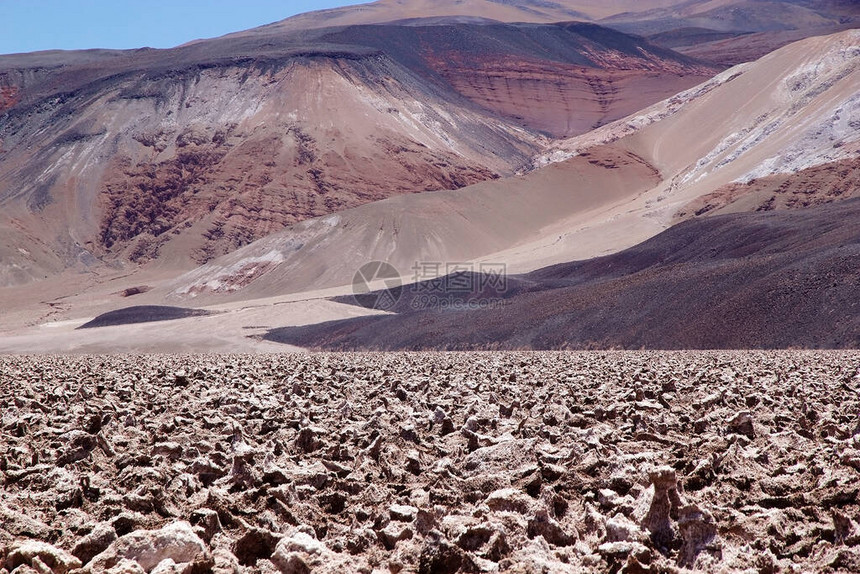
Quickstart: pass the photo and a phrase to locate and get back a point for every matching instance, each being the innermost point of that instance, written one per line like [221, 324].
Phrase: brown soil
[565, 100]
[8, 97]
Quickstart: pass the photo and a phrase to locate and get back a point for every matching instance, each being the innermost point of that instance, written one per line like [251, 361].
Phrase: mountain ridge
[607, 190]
[184, 155]
[283, 159]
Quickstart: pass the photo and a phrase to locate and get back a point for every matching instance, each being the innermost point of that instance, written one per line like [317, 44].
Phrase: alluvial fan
[430, 462]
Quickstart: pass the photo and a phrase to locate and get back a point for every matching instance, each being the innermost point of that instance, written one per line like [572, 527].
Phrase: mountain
[749, 280]
[658, 15]
[734, 31]
[726, 32]
[179, 156]
[795, 109]
[407, 11]
[561, 79]
[720, 143]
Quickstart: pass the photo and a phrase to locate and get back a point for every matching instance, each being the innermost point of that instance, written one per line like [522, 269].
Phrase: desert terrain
[758, 279]
[653, 205]
[249, 177]
[768, 150]
[118, 159]
[431, 463]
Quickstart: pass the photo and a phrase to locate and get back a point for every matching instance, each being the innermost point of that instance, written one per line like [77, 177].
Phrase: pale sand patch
[233, 329]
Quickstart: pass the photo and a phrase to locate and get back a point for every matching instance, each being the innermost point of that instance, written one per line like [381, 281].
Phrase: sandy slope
[774, 280]
[439, 227]
[792, 110]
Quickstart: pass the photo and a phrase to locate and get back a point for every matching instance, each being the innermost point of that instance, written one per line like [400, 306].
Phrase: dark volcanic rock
[142, 314]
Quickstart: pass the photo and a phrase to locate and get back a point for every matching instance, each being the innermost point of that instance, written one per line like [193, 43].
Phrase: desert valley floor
[431, 462]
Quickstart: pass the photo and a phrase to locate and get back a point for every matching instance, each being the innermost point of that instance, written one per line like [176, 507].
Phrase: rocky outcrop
[41, 557]
[173, 546]
[811, 187]
[562, 79]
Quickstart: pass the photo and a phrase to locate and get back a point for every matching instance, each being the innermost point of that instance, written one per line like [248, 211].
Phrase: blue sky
[30, 25]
